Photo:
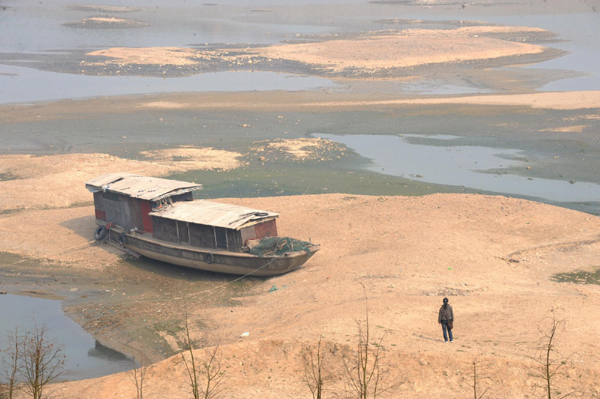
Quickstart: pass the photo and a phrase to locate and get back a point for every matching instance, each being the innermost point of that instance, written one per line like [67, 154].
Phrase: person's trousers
[444, 329]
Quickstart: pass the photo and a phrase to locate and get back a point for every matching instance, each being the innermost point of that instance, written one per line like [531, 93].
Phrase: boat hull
[218, 261]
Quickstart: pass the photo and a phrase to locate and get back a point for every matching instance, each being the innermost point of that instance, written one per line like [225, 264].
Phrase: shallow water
[442, 160]
[85, 357]
[438, 88]
[37, 27]
[19, 84]
[578, 34]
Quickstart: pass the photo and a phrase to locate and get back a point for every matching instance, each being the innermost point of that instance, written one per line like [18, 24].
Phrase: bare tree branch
[314, 372]
[365, 371]
[42, 361]
[11, 362]
[137, 375]
[476, 380]
[550, 362]
[205, 378]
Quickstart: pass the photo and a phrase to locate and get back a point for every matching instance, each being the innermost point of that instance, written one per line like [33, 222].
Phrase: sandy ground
[407, 48]
[569, 129]
[62, 181]
[494, 257]
[61, 235]
[147, 56]
[369, 53]
[549, 100]
[409, 252]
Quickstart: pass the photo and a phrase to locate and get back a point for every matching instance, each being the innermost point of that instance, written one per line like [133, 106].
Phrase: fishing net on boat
[271, 246]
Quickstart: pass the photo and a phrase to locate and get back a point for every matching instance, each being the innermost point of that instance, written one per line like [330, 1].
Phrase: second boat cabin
[208, 224]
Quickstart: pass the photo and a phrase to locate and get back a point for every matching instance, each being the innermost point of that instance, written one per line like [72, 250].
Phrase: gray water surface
[439, 88]
[85, 357]
[20, 84]
[460, 165]
[31, 25]
[577, 34]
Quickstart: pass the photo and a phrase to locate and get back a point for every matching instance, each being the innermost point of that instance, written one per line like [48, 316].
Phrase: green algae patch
[578, 277]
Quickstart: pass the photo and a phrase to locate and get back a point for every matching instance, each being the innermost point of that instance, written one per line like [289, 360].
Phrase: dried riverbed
[275, 148]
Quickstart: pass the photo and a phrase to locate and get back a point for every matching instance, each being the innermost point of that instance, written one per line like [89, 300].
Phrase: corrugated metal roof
[100, 181]
[213, 214]
[142, 187]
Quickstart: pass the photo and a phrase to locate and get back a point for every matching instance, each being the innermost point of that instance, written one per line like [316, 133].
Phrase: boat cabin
[208, 224]
[166, 209]
[127, 200]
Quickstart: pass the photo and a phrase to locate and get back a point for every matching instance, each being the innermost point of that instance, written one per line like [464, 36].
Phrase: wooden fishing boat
[159, 219]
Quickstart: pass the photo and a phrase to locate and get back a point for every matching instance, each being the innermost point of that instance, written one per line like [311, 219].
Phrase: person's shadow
[428, 338]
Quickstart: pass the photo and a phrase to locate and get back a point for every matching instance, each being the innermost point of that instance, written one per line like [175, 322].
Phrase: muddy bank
[105, 22]
[547, 136]
[315, 102]
[133, 306]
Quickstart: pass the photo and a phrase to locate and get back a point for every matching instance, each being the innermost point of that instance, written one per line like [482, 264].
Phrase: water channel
[84, 356]
[441, 159]
[21, 85]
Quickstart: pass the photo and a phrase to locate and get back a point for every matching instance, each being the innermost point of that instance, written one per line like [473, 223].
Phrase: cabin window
[221, 237]
[165, 229]
[201, 235]
[111, 196]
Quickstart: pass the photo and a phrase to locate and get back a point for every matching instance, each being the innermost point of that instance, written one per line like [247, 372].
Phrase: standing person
[446, 316]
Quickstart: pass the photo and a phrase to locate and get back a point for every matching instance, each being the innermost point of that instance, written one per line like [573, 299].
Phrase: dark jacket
[446, 314]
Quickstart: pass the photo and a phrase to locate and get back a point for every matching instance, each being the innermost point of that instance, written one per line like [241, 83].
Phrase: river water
[22, 85]
[35, 27]
[84, 356]
[441, 159]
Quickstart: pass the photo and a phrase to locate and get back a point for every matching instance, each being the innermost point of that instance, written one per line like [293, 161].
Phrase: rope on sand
[232, 281]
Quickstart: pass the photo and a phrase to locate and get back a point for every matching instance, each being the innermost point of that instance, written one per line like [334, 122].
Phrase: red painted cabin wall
[146, 219]
[258, 231]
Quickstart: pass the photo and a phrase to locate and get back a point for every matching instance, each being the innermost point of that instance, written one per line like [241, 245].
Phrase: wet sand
[558, 127]
[309, 101]
[105, 22]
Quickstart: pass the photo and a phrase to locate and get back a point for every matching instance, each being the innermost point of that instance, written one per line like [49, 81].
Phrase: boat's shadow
[184, 273]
